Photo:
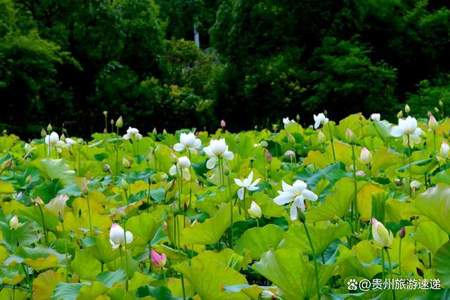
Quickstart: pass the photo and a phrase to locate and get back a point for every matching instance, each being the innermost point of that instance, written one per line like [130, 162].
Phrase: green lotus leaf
[259, 240]
[435, 204]
[145, 225]
[85, 265]
[291, 271]
[322, 235]
[67, 291]
[442, 263]
[431, 236]
[45, 283]
[336, 204]
[210, 231]
[209, 272]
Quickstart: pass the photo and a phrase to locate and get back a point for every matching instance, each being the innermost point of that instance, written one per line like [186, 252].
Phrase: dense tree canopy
[65, 62]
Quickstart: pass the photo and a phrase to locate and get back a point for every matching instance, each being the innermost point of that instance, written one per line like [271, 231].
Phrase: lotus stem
[390, 270]
[126, 253]
[400, 257]
[355, 199]
[316, 268]
[332, 141]
[43, 224]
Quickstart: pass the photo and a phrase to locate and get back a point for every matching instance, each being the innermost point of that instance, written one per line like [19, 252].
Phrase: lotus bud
[57, 205]
[275, 127]
[402, 232]
[117, 236]
[14, 223]
[381, 235]
[184, 162]
[49, 127]
[43, 133]
[400, 114]
[375, 117]
[349, 134]
[290, 154]
[297, 117]
[158, 260]
[436, 110]
[365, 156]
[126, 163]
[254, 211]
[441, 104]
[154, 131]
[223, 124]
[444, 150]
[119, 122]
[105, 113]
[407, 109]
[164, 131]
[432, 122]
[360, 173]
[415, 185]
[321, 137]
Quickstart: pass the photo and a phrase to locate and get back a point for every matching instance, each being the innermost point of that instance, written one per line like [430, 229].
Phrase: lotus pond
[356, 209]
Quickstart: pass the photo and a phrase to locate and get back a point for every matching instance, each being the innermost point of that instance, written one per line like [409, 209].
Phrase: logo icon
[352, 284]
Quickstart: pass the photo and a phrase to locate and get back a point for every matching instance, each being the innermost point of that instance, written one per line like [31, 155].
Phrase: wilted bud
[126, 163]
[407, 109]
[7, 164]
[223, 124]
[38, 201]
[432, 122]
[349, 134]
[49, 127]
[267, 155]
[402, 232]
[119, 122]
[106, 168]
[400, 114]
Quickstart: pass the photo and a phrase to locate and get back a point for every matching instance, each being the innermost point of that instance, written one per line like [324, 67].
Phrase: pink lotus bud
[158, 260]
[223, 124]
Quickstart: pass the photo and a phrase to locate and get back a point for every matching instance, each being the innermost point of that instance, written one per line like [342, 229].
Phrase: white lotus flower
[320, 119]
[375, 117]
[365, 156]
[287, 121]
[254, 211]
[406, 126]
[246, 184]
[295, 193]
[132, 133]
[117, 237]
[217, 149]
[70, 142]
[182, 166]
[444, 150]
[189, 142]
[52, 139]
[289, 154]
[57, 205]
